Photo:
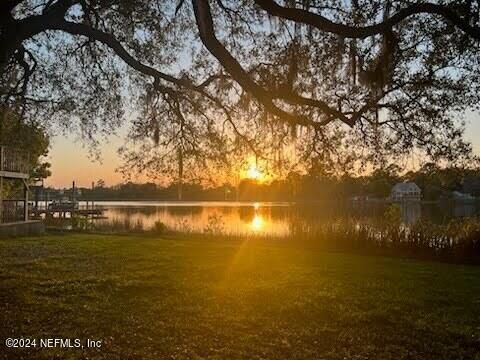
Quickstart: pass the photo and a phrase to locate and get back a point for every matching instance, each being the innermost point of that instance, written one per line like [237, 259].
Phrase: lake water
[266, 218]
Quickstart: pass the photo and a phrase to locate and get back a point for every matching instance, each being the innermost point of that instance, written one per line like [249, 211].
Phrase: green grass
[153, 298]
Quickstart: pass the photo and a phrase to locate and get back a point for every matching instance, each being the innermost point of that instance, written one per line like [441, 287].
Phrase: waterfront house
[406, 191]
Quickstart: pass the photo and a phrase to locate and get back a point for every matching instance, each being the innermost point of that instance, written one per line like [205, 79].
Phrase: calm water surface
[266, 218]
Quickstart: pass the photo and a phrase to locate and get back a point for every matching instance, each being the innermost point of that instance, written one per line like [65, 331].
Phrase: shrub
[159, 227]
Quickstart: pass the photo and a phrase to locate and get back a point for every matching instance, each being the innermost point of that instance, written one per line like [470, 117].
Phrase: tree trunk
[180, 175]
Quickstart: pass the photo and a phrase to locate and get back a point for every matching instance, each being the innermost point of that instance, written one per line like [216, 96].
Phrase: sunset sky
[71, 162]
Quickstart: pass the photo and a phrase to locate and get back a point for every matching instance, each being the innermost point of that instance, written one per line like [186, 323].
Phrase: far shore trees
[298, 84]
[436, 184]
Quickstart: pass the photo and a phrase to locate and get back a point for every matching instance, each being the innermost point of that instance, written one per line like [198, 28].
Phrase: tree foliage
[31, 138]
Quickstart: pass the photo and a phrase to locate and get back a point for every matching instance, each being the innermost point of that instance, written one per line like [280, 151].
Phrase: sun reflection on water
[255, 218]
[257, 223]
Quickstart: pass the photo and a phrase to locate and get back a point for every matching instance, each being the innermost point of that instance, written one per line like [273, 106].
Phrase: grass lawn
[154, 298]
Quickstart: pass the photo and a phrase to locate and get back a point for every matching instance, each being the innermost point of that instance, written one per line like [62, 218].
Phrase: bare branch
[322, 23]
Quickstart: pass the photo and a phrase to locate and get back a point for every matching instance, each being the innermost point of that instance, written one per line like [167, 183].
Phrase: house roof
[406, 187]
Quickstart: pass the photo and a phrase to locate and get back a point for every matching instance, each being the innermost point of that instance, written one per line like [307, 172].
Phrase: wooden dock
[94, 213]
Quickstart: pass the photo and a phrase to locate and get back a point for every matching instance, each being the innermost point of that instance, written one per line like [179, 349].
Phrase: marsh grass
[457, 241]
[215, 225]
[115, 225]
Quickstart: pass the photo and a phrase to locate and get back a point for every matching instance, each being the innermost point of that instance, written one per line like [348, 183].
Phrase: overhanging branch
[322, 23]
[117, 47]
[206, 29]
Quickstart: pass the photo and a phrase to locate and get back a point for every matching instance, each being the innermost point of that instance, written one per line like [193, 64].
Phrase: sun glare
[254, 173]
[257, 223]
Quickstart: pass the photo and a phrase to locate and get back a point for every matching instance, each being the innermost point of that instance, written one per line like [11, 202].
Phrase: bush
[159, 227]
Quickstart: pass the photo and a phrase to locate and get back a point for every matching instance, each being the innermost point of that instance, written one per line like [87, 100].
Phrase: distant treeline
[435, 183]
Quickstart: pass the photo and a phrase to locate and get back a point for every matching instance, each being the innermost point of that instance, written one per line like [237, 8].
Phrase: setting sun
[254, 173]
[255, 169]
